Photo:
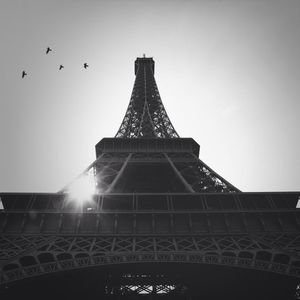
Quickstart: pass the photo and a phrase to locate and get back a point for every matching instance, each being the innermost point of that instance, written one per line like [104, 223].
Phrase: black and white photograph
[150, 150]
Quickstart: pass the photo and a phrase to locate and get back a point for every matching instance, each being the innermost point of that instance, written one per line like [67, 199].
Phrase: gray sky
[228, 74]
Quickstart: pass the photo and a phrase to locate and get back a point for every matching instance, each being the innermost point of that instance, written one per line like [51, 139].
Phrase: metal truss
[195, 175]
[145, 289]
[35, 257]
[199, 176]
[280, 206]
[103, 173]
[15, 246]
[146, 116]
[121, 215]
[145, 284]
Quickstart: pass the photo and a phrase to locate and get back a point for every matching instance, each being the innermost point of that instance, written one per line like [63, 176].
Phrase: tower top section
[146, 116]
[144, 61]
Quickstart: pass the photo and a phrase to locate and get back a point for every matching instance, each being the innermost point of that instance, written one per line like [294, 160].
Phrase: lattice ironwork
[195, 175]
[146, 116]
[17, 272]
[144, 289]
[200, 177]
[58, 253]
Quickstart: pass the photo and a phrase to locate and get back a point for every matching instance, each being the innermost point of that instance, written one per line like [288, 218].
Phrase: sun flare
[82, 189]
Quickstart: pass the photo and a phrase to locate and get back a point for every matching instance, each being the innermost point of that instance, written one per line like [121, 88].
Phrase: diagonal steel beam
[187, 186]
[120, 173]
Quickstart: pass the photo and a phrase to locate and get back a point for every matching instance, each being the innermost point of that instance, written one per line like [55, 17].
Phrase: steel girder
[195, 175]
[199, 176]
[69, 252]
[33, 242]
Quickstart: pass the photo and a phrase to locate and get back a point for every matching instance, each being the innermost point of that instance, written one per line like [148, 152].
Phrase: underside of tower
[149, 219]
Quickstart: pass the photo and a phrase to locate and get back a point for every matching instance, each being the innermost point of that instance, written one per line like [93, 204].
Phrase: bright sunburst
[82, 189]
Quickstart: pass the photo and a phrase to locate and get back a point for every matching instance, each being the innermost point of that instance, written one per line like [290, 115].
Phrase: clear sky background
[228, 74]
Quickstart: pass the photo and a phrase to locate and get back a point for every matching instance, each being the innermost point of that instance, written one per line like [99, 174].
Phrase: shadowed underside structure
[149, 219]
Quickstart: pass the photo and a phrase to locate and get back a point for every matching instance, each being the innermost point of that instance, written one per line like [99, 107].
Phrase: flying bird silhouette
[85, 65]
[24, 74]
[61, 67]
[48, 50]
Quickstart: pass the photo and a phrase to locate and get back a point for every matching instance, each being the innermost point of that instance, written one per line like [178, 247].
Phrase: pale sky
[228, 73]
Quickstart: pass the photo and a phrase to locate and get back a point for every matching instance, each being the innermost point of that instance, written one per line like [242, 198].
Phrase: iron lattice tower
[146, 116]
[159, 223]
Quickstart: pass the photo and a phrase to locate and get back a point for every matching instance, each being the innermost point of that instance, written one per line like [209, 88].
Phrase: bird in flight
[61, 67]
[48, 50]
[85, 65]
[24, 74]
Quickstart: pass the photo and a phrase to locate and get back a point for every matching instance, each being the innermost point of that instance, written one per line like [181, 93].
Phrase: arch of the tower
[47, 262]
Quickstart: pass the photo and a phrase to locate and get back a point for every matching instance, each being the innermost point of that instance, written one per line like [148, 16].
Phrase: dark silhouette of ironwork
[150, 220]
[146, 116]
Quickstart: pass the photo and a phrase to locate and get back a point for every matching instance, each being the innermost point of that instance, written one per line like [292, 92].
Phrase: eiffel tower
[149, 220]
